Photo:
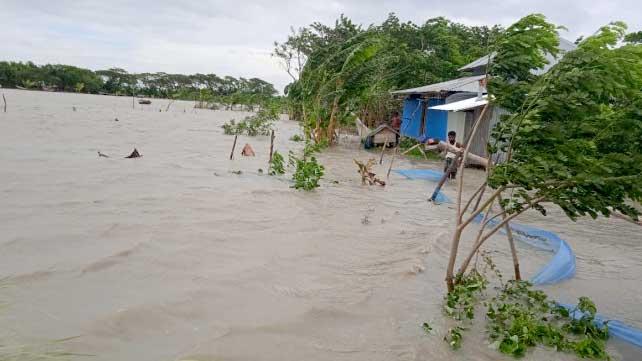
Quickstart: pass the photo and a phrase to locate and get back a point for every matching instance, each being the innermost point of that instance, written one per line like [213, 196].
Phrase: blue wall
[411, 118]
[436, 120]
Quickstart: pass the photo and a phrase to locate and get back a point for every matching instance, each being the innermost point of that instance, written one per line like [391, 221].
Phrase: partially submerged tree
[573, 137]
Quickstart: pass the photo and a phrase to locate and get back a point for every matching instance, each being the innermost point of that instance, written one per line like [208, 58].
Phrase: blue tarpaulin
[425, 174]
[560, 267]
[616, 328]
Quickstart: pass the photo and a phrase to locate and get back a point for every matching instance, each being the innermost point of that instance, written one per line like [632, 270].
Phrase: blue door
[411, 118]
[436, 120]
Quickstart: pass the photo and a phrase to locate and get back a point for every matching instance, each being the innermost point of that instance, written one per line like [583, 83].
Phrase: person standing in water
[451, 156]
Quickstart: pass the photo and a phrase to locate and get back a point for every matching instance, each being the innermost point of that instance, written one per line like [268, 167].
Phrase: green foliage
[454, 337]
[307, 174]
[460, 303]
[519, 317]
[521, 49]
[635, 38]
[296, 138]
[277, 165]
[308, 171]
[355, 67]
[427, 328]
[253, 125]
[406, 143]
[575, 137]
[311, 148]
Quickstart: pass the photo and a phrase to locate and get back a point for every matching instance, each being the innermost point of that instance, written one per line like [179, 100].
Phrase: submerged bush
[277, 165]
[520, 317]
[253, 125]
[308, 172]
[296, 138]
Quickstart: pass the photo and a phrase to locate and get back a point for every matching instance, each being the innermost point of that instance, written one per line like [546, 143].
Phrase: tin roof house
[431, 111]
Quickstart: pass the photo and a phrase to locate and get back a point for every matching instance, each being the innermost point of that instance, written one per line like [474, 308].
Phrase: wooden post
[5, 102]
[233, 146]
[383, 148]
[444, 177]
[424, 105]
[271, 150]
[133, 98]
[392, 161]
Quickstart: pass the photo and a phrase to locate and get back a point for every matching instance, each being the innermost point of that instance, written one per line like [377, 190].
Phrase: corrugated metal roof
[565, 46]
[465, 84]
[465, 104]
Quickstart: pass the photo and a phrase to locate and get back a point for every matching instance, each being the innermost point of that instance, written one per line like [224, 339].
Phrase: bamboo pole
[392, 161]
[411, 148]
[271, 150]
[5, 102]
[233, 146]
[383, 149]
[458, 159]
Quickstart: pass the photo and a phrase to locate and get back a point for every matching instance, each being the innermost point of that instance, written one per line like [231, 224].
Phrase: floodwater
[173, 257]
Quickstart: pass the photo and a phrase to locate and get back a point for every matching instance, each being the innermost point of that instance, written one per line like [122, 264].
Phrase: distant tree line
[115, 81]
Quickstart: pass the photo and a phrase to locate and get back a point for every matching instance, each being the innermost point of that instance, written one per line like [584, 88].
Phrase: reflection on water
[173, 256]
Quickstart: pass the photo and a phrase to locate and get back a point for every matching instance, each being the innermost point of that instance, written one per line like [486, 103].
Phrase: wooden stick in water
[271, 145]
[392, 161]
[271, 150]
[233, 146]
[383, 149]
[5, 102]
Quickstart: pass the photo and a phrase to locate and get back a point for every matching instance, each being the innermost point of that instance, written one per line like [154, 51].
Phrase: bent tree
[573, 136]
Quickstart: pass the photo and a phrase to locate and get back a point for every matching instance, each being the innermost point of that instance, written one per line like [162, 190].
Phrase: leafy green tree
[345, 70]
[574, 134]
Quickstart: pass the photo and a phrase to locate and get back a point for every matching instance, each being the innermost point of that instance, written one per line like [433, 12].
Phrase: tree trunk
[483, 239]
[460, 226]
[450, 282]
[511, 243]
[333, 119]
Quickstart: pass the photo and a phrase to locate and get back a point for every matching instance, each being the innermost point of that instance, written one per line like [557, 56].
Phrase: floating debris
[367, 176]
[144, 101]
[115, 119]
[238, 172]
[134, 154]
[100, 154]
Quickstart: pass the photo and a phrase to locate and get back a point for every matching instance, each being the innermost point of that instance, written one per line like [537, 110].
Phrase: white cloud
[235, 38]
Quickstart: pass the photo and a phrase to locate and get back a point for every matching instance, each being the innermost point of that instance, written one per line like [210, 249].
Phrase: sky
[236, 37]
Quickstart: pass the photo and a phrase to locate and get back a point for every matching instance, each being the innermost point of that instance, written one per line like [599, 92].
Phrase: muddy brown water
[173, 256]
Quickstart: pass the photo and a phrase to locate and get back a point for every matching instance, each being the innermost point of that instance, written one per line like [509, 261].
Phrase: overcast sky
[235, 37]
